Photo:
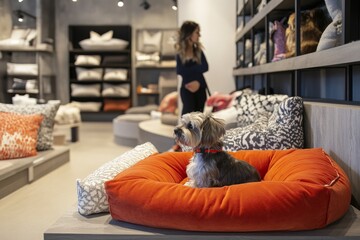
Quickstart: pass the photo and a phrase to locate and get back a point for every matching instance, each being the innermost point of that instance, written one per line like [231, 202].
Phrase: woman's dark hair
[187, 28]
[185, 31]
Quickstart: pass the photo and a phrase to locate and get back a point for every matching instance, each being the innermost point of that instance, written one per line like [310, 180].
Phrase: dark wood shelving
[329, 75]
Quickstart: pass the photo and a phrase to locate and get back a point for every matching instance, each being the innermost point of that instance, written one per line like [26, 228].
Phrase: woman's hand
[193, 86]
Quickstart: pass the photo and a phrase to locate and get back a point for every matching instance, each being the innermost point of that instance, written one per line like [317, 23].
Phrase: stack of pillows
[26, 129]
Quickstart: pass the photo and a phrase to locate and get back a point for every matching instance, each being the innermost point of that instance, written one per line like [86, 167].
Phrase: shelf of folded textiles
[118, 65]
[158, 65]
[97, 99]
[276, 8]
[23, 48]
[345, 54]
[100, 51]
[22, 76]
[17, 91]
[100, 81]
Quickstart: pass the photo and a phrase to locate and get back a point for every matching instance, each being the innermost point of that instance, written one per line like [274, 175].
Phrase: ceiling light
[74, 0]
[174, 6]
[20, 0]
[120, 3]
[145, 5]
[22, 14]
[20, 17]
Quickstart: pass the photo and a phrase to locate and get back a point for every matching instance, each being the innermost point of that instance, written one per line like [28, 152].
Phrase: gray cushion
[169, 119]
[282, 129]
[143, 109]
[332, 35]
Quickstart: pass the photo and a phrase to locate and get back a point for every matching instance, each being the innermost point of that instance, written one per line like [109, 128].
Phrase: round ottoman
[301, 189]
[126, 128]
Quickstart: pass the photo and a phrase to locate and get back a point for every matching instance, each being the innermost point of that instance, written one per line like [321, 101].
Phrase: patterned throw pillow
[18, 135]
[92, 197]
[283, 129]
[250, 106]
[48, 111]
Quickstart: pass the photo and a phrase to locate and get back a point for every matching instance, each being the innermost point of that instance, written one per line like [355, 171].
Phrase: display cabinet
[100, 79]
[329, 74]
[154, 55]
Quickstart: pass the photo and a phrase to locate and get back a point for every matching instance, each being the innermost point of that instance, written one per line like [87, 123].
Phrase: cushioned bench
[15, 173]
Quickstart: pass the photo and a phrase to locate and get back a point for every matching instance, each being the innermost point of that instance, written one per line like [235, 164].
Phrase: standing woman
[191, 63]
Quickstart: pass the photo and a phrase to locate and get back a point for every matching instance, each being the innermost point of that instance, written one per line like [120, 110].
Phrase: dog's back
[234, 171]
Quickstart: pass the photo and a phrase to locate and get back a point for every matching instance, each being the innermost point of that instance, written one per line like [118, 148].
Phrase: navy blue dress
[190, 71]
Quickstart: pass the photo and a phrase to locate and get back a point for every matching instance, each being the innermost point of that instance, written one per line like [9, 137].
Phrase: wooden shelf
[40, 48]
[345, 54]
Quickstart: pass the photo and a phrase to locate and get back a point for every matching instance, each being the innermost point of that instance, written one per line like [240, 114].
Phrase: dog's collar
[207, 150]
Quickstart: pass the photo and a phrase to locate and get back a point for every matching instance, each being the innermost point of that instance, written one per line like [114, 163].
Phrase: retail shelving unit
[147, 72]
[78, 33]
[331, 75]
[44, 77]
[40, 52]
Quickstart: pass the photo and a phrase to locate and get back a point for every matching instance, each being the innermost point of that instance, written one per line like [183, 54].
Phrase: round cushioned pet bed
[301, 189]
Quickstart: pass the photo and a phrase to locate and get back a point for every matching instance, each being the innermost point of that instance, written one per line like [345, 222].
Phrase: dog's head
[199, 130]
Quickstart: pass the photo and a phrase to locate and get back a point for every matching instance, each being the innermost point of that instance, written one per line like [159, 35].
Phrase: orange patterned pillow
[18, 135]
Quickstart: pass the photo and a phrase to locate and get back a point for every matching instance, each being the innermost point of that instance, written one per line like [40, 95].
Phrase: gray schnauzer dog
[210, 166]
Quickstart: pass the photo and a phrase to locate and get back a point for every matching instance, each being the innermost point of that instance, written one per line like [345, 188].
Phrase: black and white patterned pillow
[283, 129]
[250, 106]
[49, 110]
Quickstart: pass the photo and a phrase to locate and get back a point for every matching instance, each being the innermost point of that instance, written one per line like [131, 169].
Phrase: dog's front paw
[189, 184]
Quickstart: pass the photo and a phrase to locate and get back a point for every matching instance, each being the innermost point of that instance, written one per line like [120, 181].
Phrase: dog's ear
[212, 130]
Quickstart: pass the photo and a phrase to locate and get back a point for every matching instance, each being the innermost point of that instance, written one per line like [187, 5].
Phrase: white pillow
[149, 42]
[168, 43]
[19, 33]
[88, 60]
[94, 36]
[116, 74]
[91, 192]
[147, 58]
[12, 42]
[30, 36]
[112, 44]
[86, 74]
[112, 90]
[90, 90]
[23, 69]
[87, 106]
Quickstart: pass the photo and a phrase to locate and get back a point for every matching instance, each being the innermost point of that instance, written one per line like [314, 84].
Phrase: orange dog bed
[301, 189]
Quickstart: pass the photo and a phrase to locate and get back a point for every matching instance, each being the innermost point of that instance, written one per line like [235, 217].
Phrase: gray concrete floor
[28, 212]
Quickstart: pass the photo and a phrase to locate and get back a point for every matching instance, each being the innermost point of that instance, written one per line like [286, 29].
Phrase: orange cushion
[301, 189]
[18, 135]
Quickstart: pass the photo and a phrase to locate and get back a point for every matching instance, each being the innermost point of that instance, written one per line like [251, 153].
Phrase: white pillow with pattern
[91, 192]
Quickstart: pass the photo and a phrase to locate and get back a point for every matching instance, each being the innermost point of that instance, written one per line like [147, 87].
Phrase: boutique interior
[89, 101]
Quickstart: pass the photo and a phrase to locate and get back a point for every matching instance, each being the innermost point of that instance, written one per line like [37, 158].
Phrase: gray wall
[217, 19]
[103, 12]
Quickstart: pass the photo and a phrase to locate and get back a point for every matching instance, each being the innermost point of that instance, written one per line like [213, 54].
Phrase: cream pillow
[116, 90]
[87, 106]
[28, 69]
[116, 74]
[91, 192]
[80, 90]
[94, 36]
[87, 74]
[149, 42]
[88, 60]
